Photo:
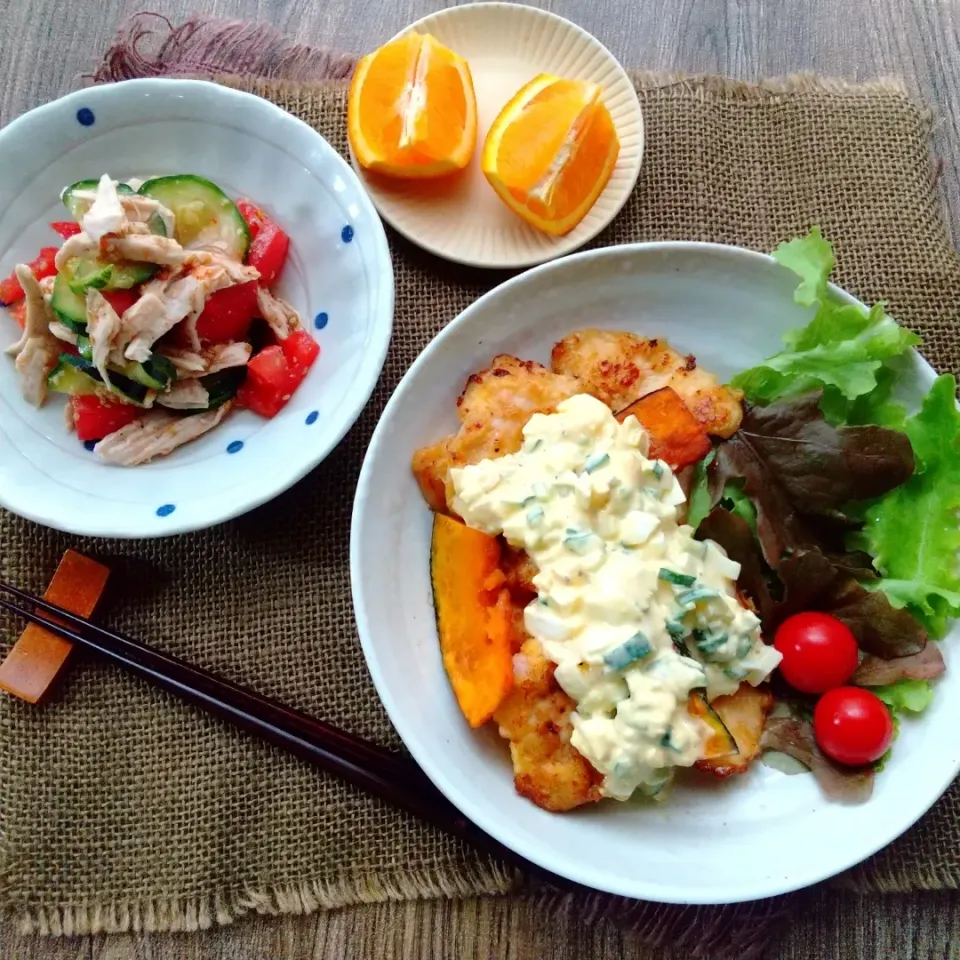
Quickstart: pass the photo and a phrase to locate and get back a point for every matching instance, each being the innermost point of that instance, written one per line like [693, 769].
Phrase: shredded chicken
[37, 350]
[535, 718]
[141, 209]
[156, 434]
[68, 420]
[62, 332]
[185, 395]
[145, 247]
[494, 407]
[211, 359]
[619, 367]
[280, 316]
[79, 245]
[103, 325]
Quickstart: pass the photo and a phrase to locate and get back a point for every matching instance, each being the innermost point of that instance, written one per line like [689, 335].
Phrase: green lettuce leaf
[912, 532]
[874, 407]
[810, 258]
[913, 696]
[841, 349]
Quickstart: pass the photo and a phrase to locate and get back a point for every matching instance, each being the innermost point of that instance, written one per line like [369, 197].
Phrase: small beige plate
[460, 217]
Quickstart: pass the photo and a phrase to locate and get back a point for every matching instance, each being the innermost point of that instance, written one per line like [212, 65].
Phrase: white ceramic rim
[235, 103]
[564, 245]
[434, 769]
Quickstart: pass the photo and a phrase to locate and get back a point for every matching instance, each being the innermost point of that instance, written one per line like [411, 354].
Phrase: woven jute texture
[124, 809]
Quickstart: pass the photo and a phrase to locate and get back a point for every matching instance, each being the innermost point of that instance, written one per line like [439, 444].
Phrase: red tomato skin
[852, 725]
[252, 214]
[819, 652]
[121, 300]
[19, 312]
[66, 228]
[268, 252]
[42, 266]
[95, 418]
[301, 350]
[228, 314]
[275, 373]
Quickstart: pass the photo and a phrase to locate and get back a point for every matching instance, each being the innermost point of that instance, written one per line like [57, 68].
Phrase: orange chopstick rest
[38, 656]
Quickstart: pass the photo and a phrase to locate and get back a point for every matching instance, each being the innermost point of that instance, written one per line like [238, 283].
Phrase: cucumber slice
[222, 386]
[69, 379]
[204, 213]
[70, 307]
[83, 274]
[129, 273]
[79, 205]
[155, 373]
[120, 384]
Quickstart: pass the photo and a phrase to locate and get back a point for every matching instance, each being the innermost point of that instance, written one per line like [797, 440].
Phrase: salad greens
[854, 503]
[841, 350]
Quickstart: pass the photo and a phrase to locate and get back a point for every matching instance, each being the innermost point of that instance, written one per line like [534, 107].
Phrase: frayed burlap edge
[189, 914]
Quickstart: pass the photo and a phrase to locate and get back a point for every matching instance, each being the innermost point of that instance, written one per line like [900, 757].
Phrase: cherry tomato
[819, 652]
[268, 252]
[252, 214]
[852, 725]
[66, 228]
[43, 266]
[94, 418]
[228, 314]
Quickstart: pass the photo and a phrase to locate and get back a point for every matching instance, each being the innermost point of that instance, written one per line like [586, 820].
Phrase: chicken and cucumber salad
[156, 316]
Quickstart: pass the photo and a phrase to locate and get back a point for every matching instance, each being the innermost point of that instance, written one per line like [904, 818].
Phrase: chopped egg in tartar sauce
[634, 612]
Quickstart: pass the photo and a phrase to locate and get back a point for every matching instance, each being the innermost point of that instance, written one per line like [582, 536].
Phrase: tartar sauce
[633, 611]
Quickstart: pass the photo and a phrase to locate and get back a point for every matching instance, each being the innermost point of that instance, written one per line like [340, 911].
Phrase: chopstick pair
[385, 774]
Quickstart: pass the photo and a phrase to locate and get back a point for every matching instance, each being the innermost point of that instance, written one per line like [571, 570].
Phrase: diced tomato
[95, 418]
[66, 228]
[275, 373]
[121, 300]
[19, 312]
[268, 252]
[42, 266]
[228, 314]
[252, 214]
[301, 350]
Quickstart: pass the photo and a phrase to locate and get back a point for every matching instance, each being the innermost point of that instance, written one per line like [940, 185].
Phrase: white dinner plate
[753, 836]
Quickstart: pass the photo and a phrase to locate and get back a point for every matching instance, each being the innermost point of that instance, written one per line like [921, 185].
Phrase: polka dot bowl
[339, 277]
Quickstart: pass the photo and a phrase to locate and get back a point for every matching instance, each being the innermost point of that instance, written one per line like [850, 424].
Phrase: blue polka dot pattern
[235, 446]
[321, 320]
[89, 445]
[312, 417]
[165, 510]
[346, 234]
[85, 117]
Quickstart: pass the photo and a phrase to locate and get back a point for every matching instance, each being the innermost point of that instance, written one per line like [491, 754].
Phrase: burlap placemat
[124, 809]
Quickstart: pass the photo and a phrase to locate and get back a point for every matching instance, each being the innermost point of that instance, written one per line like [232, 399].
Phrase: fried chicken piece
[493, 408]
[619, 367]
[535, 718]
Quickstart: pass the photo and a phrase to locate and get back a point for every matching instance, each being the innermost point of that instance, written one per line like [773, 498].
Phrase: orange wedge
[412, 112]
[551, 151]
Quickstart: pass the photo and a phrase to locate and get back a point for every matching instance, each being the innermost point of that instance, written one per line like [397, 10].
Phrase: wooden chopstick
[392, 777]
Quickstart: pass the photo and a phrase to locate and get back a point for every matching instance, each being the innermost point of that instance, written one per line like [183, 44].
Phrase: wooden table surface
[46, 44]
